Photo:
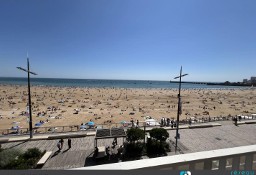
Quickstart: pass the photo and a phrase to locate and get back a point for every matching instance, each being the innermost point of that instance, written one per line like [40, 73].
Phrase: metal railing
[126, 125]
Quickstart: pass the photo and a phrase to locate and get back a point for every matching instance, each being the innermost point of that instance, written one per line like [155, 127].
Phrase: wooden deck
[66, 158]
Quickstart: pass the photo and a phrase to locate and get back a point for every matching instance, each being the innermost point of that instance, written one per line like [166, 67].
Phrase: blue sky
[214, 40]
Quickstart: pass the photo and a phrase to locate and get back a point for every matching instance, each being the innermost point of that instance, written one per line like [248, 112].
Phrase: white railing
[238, 158]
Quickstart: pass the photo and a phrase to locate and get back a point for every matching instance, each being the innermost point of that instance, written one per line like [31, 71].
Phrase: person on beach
[69, 143]
[137, 123]
[61, 143]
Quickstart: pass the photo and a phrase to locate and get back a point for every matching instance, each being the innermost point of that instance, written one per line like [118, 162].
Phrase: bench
[45, 157]
[102, 152]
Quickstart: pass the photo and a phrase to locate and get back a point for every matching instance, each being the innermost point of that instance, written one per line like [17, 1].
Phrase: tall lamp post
[29, 96]
[179, 109]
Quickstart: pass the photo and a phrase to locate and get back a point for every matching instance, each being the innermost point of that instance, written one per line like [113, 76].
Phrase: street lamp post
[29, 96]
[179, 109]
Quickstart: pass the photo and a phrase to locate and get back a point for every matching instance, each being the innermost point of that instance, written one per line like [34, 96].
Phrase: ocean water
[106, 83]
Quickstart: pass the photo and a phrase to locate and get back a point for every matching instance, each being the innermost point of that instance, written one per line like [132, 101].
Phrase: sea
[90, 83]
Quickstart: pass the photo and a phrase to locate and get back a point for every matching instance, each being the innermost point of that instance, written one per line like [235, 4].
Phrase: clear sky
[214, 40]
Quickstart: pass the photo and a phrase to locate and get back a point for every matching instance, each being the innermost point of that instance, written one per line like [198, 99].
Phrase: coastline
[96, 83]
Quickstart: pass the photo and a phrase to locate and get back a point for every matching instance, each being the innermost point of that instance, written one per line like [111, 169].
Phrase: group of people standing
[61, 142]
[167, 122]
[115, 151]
[133, 123]
[235, 119]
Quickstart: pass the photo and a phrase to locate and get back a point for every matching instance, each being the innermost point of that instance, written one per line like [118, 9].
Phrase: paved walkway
[225, 136]
[192, 140]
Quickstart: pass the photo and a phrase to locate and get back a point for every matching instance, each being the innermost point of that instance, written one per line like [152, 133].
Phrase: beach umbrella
[15, 123]
[123, 122]
[15, 127]
[90, 123]
[38, 124]
[83, 127]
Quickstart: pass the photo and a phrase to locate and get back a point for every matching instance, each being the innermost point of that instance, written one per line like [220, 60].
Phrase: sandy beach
[109, 105]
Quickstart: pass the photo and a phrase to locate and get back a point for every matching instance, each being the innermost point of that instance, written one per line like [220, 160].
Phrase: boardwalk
[74, 157]
[192, 140]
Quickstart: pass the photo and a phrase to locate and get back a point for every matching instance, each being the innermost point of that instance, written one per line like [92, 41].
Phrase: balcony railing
[238, 158]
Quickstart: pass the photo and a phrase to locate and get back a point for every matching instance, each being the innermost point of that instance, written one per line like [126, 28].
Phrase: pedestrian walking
[164, 121]
[114, 143]
[108, 152]
[168, 121]
[132, 121]
[96, 152]
[236, 121]
[61, 143]
[190, 121]
[69, 143]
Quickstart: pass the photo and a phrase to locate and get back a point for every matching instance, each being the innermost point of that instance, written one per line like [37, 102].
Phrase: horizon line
[117, 79]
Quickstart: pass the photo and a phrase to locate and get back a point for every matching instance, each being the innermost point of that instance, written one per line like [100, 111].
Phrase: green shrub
[156, 145]
[134, 134]
[133, 150]
[14, 159]
[32, 153]
[7, 156]
[157, 148]
[159, 134]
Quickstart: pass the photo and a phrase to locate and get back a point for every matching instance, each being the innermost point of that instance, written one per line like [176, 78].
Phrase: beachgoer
[69, 143]
[61, 143]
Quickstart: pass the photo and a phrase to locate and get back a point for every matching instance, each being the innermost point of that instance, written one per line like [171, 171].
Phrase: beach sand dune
[73, 106]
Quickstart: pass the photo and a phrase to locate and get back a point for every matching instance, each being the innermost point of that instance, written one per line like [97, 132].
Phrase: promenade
[226, 135]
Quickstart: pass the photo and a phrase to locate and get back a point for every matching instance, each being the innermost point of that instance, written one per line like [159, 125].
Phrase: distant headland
[246, 82]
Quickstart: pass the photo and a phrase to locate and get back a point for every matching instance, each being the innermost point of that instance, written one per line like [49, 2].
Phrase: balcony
[237, 158]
